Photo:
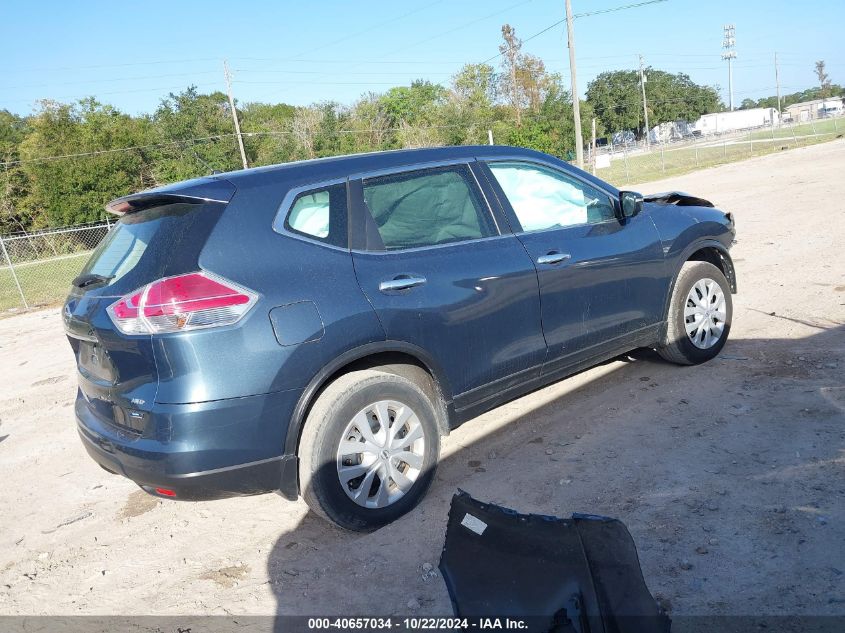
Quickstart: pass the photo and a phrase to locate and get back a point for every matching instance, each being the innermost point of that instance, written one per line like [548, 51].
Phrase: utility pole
[645, 106]
[777, 82]
[234, 113]
[576, 109]
[728, 44]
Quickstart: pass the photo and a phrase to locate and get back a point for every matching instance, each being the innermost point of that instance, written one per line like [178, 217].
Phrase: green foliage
[832, 90]
[617, 99]
[190, 133]
[62, 192]
[186, 116]
[13, 182]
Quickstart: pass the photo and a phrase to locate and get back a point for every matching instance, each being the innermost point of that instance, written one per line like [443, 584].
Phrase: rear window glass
[144, 245]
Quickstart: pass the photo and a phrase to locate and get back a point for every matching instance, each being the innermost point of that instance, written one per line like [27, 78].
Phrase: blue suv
[314, 328]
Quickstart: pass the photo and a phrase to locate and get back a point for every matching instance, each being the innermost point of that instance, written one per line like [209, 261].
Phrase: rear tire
[358, 435]
[700, 314]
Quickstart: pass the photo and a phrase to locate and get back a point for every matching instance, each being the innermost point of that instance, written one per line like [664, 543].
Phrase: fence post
[751, 141]
[794, 138]
[625, 156]
[14, 274]
[489, 140]
[725, 148]
[662, 160]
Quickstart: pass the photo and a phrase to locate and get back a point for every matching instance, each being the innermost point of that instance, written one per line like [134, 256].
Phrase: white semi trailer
[724, 122]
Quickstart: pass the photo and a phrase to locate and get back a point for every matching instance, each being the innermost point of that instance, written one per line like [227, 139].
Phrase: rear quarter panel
[248, 358]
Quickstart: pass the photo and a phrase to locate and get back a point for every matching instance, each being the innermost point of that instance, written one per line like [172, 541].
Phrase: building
[724, 122]
[815, 109]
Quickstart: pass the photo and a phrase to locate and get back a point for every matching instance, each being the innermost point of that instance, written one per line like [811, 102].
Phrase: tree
[14, 186]
[510, 50]
[824, 79]
[370, 125]
[416, 104]
[617, 99]
[199, 135]
[471, 106]
[833, 90]
[553, 129]
[524, 78]
[72, 191]
[306, 123]
[475, 84]
[273, 142]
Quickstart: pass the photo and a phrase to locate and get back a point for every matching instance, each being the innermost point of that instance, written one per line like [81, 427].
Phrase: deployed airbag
[580, 574]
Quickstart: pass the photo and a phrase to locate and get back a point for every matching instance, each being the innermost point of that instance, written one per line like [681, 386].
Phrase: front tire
[368, 450]
[700, 315]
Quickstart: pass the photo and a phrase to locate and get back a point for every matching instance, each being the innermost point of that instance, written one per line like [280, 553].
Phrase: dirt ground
[729, 475]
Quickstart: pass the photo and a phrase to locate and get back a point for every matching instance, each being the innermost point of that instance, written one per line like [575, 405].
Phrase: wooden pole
[234, 113]
[576, 106]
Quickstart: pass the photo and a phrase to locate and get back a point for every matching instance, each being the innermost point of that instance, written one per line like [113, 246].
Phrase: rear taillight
[182, 303]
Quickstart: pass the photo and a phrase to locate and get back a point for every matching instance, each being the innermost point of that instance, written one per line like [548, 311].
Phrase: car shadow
[718, 470]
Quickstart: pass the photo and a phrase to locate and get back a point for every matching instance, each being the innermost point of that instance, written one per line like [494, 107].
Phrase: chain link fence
[36, 268]
[637, 162]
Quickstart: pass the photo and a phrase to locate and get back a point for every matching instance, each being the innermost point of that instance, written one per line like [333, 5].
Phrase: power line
[218, 137]
[99, 66]
[439, 35]
[575, 16]
[115, 92]
[110, 80]
[622, 8]
[98, 152]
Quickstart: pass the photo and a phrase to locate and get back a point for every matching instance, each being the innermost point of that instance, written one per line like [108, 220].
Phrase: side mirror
[631, 203]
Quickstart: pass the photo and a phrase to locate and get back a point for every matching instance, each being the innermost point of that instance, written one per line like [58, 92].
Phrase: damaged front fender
[677, 198]
[580, 574]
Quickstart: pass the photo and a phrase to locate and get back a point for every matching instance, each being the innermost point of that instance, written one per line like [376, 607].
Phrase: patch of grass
[676, 161]
[822, 126]
[43, 282]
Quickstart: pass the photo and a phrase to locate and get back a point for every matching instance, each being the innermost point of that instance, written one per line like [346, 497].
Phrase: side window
[427, 207]
[544, 198]
[319, 214]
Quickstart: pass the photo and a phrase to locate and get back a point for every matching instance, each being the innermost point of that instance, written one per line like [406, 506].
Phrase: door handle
[553, 258]
[401, 283]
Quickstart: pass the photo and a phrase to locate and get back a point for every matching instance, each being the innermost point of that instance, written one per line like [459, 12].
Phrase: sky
[131, 54]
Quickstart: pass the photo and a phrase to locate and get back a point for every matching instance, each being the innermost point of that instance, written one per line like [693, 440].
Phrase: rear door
[602, 280]
[441, 275]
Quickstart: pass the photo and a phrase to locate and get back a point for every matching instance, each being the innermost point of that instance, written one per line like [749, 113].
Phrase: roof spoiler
[198, 191]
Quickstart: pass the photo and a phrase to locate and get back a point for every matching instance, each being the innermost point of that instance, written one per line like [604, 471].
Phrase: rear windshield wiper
[89, 279]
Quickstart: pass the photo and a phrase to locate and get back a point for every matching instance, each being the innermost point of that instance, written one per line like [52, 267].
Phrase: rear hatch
[159, 235]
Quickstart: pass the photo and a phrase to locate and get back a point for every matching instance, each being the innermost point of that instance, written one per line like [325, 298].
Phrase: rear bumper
[200, 451]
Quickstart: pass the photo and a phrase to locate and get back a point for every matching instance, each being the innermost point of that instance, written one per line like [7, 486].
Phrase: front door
[602, 280]
[441, 276]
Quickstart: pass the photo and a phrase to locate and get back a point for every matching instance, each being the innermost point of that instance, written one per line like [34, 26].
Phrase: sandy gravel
[729, 475]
